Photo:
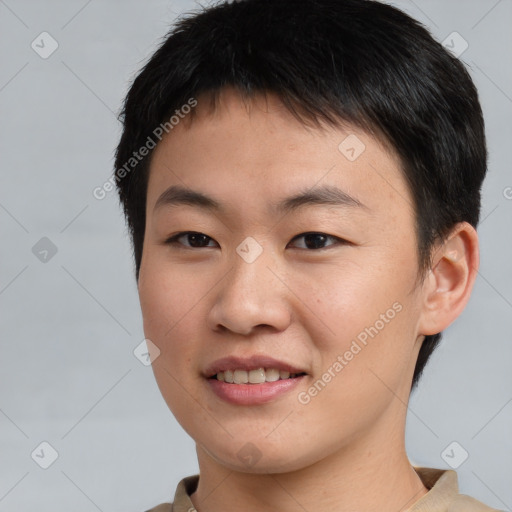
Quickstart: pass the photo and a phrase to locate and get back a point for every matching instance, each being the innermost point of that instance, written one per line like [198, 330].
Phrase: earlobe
[448, 286]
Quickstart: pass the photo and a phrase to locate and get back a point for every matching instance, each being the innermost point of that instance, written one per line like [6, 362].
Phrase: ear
[448, 285]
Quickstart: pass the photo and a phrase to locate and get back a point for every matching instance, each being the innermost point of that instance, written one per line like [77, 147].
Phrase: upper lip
[249, 363]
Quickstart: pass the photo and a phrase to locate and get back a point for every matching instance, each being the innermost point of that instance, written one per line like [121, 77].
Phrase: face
[324, 284]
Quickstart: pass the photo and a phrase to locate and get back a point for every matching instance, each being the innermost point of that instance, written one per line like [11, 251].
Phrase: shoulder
[184, 490]
[443, 494]
[464, 503]
[163, 507]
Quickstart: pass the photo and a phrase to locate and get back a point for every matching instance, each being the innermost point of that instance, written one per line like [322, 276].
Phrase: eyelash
[173, 240]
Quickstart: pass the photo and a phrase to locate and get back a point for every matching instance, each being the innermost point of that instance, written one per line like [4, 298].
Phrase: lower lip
[253, 394]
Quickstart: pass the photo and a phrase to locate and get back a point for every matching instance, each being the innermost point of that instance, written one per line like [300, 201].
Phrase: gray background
[69, 325]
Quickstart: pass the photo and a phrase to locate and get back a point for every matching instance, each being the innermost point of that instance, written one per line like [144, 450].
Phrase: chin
[254, 458]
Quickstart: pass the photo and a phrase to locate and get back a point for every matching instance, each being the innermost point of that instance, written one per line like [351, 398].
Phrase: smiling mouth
[257, 376]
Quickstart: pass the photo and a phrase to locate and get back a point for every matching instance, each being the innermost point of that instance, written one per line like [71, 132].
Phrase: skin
[345, 449]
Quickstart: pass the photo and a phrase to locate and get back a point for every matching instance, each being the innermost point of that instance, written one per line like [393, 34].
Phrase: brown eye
[317, 241]
[194, 239]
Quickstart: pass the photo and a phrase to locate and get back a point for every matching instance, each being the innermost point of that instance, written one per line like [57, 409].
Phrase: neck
[371, 473]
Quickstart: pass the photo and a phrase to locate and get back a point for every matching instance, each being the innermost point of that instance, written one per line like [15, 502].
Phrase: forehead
[256, 152]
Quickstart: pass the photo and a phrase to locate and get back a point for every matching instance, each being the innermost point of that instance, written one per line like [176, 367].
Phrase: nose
[251, 296]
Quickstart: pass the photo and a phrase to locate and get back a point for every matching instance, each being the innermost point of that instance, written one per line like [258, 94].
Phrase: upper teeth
[254, 376]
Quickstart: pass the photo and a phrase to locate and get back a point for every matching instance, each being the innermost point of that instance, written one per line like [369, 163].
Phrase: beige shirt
[443, 495]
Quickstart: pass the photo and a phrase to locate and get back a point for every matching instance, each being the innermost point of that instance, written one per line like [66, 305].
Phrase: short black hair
[360, 62]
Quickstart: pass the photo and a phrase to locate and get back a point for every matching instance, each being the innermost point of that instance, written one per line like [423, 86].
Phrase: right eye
[195, 239]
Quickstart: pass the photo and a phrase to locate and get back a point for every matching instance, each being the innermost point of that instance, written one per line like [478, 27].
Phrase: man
[302, 185]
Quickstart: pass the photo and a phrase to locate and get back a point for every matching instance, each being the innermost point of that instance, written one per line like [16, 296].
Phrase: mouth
[256, 376]
[256, 369]
[252, 381]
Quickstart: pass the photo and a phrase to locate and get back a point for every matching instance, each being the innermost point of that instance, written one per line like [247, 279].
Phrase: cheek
[346, 298]
[167, 298]
[366, 314]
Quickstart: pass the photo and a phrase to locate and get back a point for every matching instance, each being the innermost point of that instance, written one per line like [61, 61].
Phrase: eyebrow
[323, 195]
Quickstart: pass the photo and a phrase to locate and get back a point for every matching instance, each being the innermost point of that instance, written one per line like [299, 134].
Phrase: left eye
[316, 240]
